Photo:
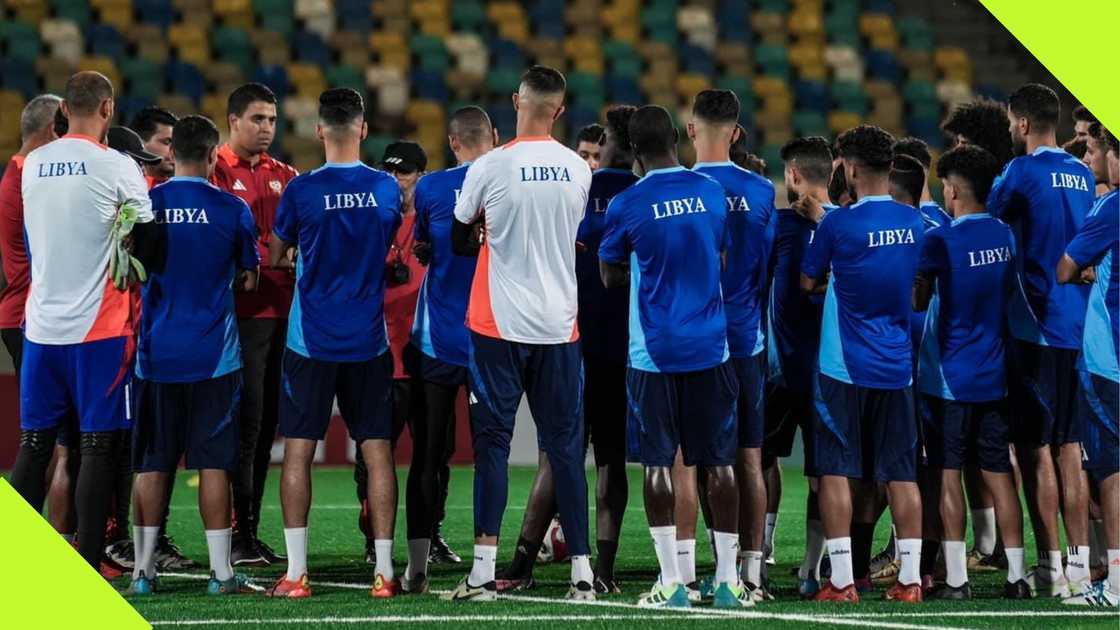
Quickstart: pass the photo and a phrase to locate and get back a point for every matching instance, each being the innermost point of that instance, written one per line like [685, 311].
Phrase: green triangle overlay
[1075, 41]
[55, 587]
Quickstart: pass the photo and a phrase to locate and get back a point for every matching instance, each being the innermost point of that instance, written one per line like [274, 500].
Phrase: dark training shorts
[865, 433]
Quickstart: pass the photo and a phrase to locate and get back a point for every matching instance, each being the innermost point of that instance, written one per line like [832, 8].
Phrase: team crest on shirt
[275, 186]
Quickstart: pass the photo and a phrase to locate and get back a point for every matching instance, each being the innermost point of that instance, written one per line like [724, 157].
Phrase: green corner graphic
[1084, 64]
[56, 588]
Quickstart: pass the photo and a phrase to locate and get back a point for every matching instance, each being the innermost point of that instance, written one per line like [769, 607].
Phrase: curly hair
[973, 164]
[870, 145]
[982, 122]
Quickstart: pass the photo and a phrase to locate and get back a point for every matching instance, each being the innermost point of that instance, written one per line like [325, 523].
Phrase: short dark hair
[1082, 114]
[1076, 147]
[973, 164]
[61, 123]
[812, 156]
[837, 185]
[590, 133]
[241, 98]
[1110, 140]
[192, 138]
[618, 122]
[471, 125]
[339, 107]
[1037, 103]
[544, 80]
[908, 174]
[147, 121]
[869, 145]
[652, 131]
[915, 148]
[984, 122]
[85, 91]
[716, 106]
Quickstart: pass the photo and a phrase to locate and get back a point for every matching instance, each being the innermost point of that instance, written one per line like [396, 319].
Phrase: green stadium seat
[918, 91]
[22, 39]
[233, 45]
[849, 97]
[144, 77]
[503, 80]
[78, 11]
[468, 15]
[810, 123]
[343, 75]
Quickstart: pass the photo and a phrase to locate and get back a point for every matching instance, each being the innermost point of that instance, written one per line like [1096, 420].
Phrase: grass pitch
[341, 578]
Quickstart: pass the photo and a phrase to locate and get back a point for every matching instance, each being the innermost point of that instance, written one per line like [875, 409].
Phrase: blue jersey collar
[723, 163]
[871, 198]
[661, 171]
[343, 164]
[607, 169]
[189, 178]
[972, 217]
[1041, 150]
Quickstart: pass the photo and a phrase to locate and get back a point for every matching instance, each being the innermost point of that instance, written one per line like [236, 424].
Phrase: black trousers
[262, 349]
[13, 343]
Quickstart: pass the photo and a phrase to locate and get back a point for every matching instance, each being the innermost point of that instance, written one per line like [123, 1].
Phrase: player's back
[189, 331]
[794, 319]
[750, 206]
[873, 247]
[438, 327]
[72, 190]
[603, 312]
[342, 218]
[670, 228]
[962, 348]
[1044, 196]
[533, 194]
[1099, 243]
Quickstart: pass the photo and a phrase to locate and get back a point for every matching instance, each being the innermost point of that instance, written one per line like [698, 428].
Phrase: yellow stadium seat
[912, 59]
[400, 59]
[307, 153]
[732, 52]
[387, 41]
[887, 40]
[32, 13]
[839, 121]
[389, 8]
[502, 11]
[577, 47]
[804, 23]
[778, 104]
[590, 65]
[656, 51]
[878, 89]
[629, 33]
[871, 24]
[307, 79]
[777, 134]
[688, 85]
[891, 121]
[104, 65]
[426, 9]
[514, 30]
[222, 75]
[11, 107]
[227, 8]
[272, 46]
[214, 107]
[767, 22]
[806, 54]
[195, 12]
[813, 73]
[768, 86]
[949, 56]
[436, 27]
[55, 72]
[424, 111]
[119, 18]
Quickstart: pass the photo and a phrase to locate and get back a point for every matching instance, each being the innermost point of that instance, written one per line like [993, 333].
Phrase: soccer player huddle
[932, 358]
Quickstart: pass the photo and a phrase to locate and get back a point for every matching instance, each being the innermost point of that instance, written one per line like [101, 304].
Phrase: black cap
[405, 156]
[126, 141]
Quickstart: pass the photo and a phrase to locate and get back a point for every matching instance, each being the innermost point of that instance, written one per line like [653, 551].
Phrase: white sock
[840, 556]
[910, 558]
[814, 550]
[751, 570]
[768, 534]
[1052, 565]
[665, 544]
[984, 529]
[956, 565]
[418, 549]
[1077, 564]
[727, 550]
[1016, 563]
[482, 571]
[217, 543]
[1098, 553]
[139, 562]
[383, 551]
[686, 560]
[145, 551]
[581, 570]
[712, 541]
[295, 540]
[1114, 571]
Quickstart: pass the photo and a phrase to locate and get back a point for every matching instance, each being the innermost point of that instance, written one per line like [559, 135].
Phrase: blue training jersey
[1098, 243]
[871, 248]
[439, 329]
[603, 313]
[750, 208]
[188, 331]
[1044, 197]
[343, 218]
[962, 348]
[793, 318]
[933, 217]
[670, 228]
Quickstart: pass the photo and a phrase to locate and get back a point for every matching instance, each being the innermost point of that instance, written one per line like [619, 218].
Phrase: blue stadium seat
[881, 64]
[186, 80]
[504, 118]
[353, 15]
[811, 95]
[579, 117]
[311, 48]
[697, 60]
[507, 54]
[623, 90]
[156, 12]
[275, 77]
[105, 40]
[928, 129]
[19, 76]
[128, 106]
[429, 85]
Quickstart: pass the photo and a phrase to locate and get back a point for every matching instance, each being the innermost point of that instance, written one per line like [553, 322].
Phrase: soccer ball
[554, 548]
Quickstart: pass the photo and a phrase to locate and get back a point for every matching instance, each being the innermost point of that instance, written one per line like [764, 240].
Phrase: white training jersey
[532, 192]
[72, 190]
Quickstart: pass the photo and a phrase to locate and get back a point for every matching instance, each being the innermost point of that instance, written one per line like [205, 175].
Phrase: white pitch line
[993, 613]
[416, 619]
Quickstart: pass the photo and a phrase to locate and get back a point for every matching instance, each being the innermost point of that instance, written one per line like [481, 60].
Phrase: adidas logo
[237, 185]
[473, 400]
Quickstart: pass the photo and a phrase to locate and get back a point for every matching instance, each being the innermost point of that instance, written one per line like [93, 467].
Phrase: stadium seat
[105, 40]
[19, 76]
[186, 80]
[144, 78]
[155, 12]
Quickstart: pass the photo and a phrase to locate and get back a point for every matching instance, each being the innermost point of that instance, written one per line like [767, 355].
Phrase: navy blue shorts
[1098, 402]
[90, 382]
[786, 411]
[441, 372]
[1042, 384]
[364, 390]
[604, 408]
[751, 374]
[965, 433]
[865, 433]
[198, 419]
[693, 410]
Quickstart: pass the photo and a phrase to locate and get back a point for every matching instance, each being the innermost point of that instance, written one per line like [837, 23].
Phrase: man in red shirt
[154, 125]
[246, 170]
[36, 126]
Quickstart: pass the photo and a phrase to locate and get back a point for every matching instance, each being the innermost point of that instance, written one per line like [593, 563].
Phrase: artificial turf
[340, 576]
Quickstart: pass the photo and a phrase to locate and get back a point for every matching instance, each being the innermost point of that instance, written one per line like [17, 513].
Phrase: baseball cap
[404, 156]
[127, 141]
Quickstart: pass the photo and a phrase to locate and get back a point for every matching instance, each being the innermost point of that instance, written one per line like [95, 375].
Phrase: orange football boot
[292, 589]
[909, 593]
[829, 593]
[384, 589]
